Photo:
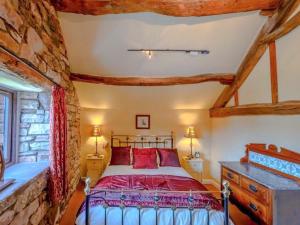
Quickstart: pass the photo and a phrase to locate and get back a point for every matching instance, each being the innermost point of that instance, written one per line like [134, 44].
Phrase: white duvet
[165, 216]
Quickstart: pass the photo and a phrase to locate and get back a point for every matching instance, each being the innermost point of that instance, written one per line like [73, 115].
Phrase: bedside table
[196, 165]
[95, 166]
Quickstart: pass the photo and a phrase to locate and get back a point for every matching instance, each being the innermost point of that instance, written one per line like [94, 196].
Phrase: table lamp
[97, 132]
[191, 134]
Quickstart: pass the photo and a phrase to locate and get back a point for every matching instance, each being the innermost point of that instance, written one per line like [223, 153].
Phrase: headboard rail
[278, 160]
[142, 141]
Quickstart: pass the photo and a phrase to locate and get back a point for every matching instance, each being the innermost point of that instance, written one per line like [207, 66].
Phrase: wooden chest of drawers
[266, 205]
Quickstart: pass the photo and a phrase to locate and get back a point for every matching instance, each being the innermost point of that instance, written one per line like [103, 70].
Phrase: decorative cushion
[168, 157]
[120, 156]
[144, 158]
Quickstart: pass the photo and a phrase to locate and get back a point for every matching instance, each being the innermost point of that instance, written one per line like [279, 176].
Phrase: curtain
[58, 146]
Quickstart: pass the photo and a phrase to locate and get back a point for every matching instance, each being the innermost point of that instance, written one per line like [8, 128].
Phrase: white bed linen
[128, 170]
[165, 216]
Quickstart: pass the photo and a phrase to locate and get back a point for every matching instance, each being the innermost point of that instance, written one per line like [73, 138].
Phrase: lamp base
[190, 156]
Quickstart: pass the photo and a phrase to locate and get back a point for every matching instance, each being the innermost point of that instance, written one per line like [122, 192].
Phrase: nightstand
[195, 165]
[95, 166]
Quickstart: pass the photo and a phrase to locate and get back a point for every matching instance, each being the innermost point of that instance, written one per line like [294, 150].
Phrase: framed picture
[142, 122]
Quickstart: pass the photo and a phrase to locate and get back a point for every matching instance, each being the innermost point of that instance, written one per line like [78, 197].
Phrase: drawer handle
[230, 175]
[252, 206]
[252, 188]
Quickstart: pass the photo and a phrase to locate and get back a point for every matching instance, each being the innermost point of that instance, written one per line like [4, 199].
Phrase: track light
[192, 52]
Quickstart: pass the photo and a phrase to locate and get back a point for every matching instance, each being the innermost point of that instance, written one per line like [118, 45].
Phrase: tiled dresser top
[264, 177]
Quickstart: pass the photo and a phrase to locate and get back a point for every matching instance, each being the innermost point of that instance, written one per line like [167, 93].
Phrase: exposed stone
[44, 99]
[23, 132]
[47, 117]
[27, 158]
[28, 95]
[30, 193]
[32, 118]
[7, 217]
[39, 146]
[24, 125]
[36, 26]
[34, 41]
[40, 111]
[24, 147]
[43, 156]
[23, 217]
[5, 38]
[10, 14]
[39, 214]
[39, 129]
[42, 138]
[29, 104]
[29, 111]
[2, 25]
[15, 35]
[26, 138]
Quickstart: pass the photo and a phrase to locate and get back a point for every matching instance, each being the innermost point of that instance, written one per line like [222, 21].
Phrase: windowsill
[23, 173]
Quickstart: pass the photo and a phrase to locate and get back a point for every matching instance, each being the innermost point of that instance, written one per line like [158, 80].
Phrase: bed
[162, 196]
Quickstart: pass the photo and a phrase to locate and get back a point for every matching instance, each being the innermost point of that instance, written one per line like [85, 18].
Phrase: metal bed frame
[148, 141]
[93, 194]
[142, 141]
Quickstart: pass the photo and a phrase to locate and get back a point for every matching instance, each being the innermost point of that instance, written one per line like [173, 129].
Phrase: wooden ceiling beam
[273, 72]
[223, 78]
[281, 108]
[284, 29]
[165, 7]
[257, 50]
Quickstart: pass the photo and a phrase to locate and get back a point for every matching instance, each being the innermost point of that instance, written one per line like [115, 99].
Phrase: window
[6, 120]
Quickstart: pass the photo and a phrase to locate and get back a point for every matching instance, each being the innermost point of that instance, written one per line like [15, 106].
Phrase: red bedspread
[152, 183]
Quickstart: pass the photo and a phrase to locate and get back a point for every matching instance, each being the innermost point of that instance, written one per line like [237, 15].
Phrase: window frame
[10, 131]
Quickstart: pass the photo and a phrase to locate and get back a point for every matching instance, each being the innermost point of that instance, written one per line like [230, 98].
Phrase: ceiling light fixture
[149, 54]
[193, 52]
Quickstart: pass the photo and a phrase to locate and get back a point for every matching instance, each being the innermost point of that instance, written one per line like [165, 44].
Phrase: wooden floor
[78, 197]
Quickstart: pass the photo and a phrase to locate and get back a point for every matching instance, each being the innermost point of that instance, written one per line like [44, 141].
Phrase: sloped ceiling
[97, 45]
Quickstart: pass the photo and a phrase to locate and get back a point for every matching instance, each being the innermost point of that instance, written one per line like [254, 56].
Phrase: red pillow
[168, 157]
[144, 158]
[120, 156]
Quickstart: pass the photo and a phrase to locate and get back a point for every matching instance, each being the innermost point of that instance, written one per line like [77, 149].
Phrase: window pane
[4, 126]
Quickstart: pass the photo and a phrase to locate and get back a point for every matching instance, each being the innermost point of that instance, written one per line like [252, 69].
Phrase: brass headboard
[142, 141]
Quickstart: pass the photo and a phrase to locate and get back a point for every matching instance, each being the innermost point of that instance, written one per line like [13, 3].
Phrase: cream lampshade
[97, 132]
[190, 133]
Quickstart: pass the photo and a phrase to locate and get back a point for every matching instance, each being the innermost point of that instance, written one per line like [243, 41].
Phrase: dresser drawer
[230, 175]
[256, 208]
[258, 191]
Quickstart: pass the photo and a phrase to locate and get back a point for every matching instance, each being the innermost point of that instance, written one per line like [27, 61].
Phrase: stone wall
[29, 206]
[30, 30]
[34, 126]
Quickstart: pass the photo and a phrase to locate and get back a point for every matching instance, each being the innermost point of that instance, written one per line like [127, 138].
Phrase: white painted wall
[172, 108]
[231, 134]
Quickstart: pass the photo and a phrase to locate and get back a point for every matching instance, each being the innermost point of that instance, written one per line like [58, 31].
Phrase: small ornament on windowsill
[7, 182]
